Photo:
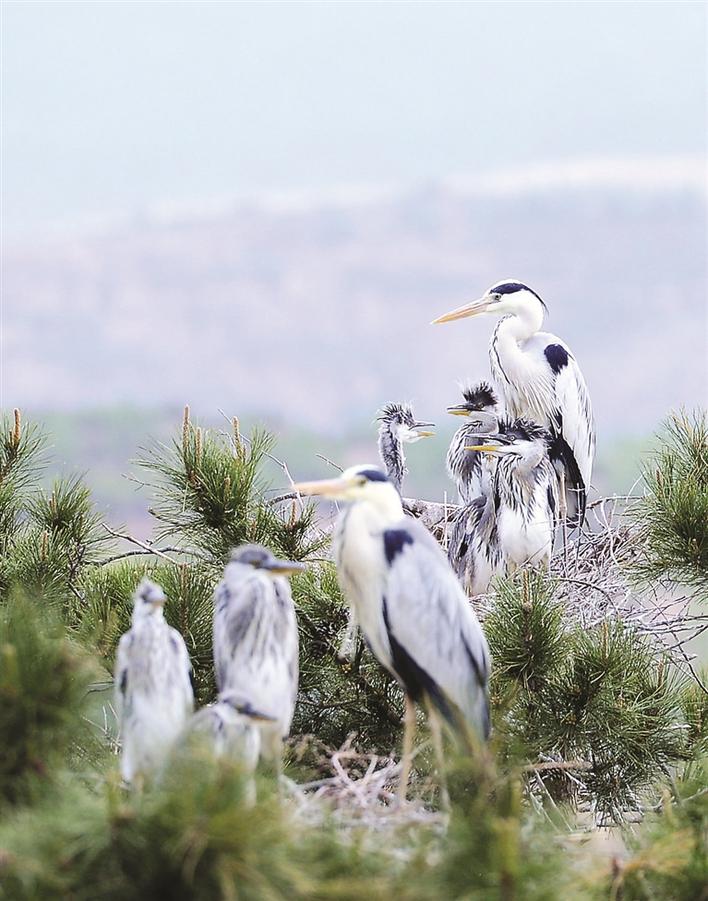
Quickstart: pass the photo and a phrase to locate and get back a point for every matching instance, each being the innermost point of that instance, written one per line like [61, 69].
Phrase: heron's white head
[260, 558]
[508, 297]
[148, 600]
[400, 419]
[365, 483]
[519, 438]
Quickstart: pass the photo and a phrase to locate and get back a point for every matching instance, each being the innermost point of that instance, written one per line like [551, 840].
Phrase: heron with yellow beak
[410, 606]
[540, 380]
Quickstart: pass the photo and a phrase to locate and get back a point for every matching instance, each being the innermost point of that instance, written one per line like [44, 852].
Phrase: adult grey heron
[411, 608]
[465, 467]
[524, 493]
[399, 426]
[256, 643]
[154, 695]
[540, 380]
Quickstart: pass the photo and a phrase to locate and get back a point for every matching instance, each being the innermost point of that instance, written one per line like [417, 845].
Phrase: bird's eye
[361, 481]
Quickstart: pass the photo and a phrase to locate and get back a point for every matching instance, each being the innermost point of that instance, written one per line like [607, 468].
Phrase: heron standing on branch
[411, 608]
[540, 381]
[154, 696]
[465, 467]
[399, 426]
[256, 643]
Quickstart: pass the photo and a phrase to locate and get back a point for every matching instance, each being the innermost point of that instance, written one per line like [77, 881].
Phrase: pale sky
[112, 107]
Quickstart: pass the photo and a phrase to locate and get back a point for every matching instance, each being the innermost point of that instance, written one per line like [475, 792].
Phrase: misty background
[259, 207]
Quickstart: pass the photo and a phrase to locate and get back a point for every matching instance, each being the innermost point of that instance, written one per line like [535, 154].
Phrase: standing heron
[465, 467]
[399, 426]
[154, 695]
[411, 608]
[524, 495]
[540, 380]
[256, 643]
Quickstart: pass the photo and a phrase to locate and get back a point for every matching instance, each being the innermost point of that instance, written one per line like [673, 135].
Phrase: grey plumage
[256, 643]
[229, 732]
[412, 611]
[465, 467]
[154, 695]
[397, 427]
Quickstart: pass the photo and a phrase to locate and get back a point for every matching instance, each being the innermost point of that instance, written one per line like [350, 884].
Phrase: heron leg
[436, 734]
[348, 646]
[563, 512]
[407, 755]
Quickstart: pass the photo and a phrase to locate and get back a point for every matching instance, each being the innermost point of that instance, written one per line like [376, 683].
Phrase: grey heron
[465, 467]
[524, 493]
[154, 695]
[540, 380]
[256, 643]
[399, 426]
[413, 613]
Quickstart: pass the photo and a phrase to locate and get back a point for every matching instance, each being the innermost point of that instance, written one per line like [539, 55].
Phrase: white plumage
[256, 643]
[154, 695]
[409, 604]
[540, 380]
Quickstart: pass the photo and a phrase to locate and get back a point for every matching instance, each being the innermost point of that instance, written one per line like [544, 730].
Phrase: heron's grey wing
[437, 644]
[121, 672]
[235, 606]
[183, 670]
[574, 426]
[287, 641]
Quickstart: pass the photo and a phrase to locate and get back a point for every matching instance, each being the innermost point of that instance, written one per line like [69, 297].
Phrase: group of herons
[522, 466]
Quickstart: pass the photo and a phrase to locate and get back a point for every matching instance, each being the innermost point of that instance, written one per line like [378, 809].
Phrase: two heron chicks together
[255, 647]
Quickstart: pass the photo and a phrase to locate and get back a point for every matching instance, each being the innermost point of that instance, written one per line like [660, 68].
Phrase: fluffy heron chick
[256, 643]
[230, 732]
[409, 604]
[524, 493]
[154, 695]
[397, 427]
[464, 467]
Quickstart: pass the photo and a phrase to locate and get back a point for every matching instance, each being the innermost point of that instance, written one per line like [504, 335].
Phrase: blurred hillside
[317, 309]
[104, 445]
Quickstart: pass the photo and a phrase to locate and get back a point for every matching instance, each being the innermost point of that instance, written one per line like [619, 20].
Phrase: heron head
[479, 404]
[506, 297]
[402, 422]
[365, 482]
[258, 557]
[519, 438]
[148, 599]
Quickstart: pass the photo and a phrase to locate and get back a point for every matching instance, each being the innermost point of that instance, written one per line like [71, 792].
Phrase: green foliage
[602, 696]
[674, 512]
[339, 697]
[43, 681]
[669, 855]
[211, 493]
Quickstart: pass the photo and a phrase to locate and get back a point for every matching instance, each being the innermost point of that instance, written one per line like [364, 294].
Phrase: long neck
[391, 453]
[516, 480]
[510, 364]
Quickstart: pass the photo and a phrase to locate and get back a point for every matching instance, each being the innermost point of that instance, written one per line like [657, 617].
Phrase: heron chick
[524, 493]
[540, 380]
[465, 467]
[154, 696]
[256, 643]
[410, 606]
[398, 427]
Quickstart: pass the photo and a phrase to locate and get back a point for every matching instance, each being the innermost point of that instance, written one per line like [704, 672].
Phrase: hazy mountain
[318, 309]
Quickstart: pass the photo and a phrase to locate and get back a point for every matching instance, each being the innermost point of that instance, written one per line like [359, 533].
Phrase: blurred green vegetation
[102, 443]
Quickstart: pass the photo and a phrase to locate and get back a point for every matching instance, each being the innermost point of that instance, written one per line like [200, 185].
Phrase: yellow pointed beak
[485, 448]
[425, 434]
[469, 309]
[330, 488]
